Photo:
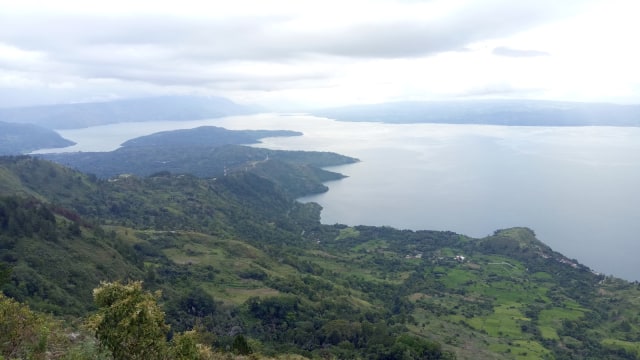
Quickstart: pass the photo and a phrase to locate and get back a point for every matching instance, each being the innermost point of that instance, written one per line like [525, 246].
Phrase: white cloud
[322, 52]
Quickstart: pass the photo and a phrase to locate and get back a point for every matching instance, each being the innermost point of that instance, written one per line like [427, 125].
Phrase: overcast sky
[319, 53]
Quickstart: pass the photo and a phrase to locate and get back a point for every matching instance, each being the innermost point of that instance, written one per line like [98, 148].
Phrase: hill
[80, 115]
[210, 152]
[238, 256]
[206, 136]
[491, 112]
[24, 138]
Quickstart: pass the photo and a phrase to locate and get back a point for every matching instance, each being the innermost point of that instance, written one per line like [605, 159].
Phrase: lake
[576, 187]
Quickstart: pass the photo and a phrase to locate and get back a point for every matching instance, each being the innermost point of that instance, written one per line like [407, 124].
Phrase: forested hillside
[253, 271]
[23, 138]
[209, 152]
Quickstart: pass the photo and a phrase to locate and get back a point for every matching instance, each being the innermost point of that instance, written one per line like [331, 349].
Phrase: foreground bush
[25, 334]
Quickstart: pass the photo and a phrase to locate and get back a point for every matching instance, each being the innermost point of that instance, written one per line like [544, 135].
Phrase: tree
[129, 322]
[184, 346]
[240, 346]
[25, 334]
[5, 274]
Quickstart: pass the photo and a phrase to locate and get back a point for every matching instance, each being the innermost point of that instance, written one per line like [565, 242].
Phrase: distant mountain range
[26, 129]
[494, 112]
[72, 116]
[16, 137]
[24, 138]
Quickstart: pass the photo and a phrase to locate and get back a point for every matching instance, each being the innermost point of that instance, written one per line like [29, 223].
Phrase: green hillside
[211, 152]
[236, 257]
[24, 138]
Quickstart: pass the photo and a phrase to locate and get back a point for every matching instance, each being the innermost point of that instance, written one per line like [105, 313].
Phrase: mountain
[207, 136]
[237, 255]
[56, 257]
[491, 112]
[80, 115]
[24, 138]
[210, 152]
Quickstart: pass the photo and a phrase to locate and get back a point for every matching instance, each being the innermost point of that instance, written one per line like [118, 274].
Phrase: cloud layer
[506, 51]
[219, 48]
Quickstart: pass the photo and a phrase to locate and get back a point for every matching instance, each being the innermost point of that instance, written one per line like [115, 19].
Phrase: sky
[289, 54]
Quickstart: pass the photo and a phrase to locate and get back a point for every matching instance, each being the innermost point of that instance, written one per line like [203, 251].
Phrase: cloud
[403, 33]
[273, 47]
[500, 89]
[509, 52]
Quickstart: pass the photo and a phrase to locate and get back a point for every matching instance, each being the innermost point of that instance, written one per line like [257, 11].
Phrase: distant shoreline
[494, 112]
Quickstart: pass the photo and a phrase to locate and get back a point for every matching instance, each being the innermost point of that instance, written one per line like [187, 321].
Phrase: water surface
[577, 187]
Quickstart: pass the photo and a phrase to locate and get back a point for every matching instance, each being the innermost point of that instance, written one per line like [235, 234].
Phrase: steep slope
[237, 255]
[56, 257]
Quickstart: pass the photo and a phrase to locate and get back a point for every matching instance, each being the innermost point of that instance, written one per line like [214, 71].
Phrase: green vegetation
[234, 267]
[130, 324]
[206, 136]
[210, 152]
[25, 334]
[297, 173]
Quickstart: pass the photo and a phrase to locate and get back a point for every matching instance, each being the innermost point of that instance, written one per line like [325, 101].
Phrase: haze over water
[576, 187]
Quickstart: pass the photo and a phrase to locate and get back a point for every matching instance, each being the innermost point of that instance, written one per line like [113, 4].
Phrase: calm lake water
[576, 187]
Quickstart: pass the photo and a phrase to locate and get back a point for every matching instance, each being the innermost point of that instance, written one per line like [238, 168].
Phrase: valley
[237, 255]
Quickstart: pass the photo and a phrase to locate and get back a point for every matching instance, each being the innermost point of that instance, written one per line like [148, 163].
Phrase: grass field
[630, 346]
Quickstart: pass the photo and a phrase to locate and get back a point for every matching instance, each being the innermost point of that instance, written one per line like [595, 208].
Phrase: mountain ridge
[23, 138]
[490, 112]
[81, 115]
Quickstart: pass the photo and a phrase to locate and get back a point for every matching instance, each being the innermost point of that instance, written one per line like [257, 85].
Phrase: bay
[576, 187]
